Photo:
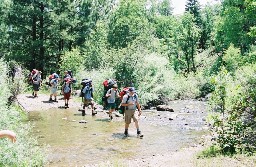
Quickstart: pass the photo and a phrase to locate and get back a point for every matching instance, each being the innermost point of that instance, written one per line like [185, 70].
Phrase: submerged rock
[82, 121]
[164, 108]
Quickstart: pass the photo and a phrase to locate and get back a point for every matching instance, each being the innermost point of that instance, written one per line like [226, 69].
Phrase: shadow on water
[103, 120]
[30, 97]
[96, 139]
[47, 101]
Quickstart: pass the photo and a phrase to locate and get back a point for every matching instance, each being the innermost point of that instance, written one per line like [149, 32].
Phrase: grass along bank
[25, 152]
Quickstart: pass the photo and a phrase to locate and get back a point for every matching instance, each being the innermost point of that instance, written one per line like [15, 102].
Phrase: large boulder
[164, 108]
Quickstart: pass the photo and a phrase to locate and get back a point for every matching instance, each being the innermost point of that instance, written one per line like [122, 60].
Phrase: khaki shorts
[129, 115]
[88, 102]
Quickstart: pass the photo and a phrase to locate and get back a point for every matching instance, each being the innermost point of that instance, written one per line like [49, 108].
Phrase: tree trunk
[187, 60]
[192, 55]
[41, 36]
[33, 54]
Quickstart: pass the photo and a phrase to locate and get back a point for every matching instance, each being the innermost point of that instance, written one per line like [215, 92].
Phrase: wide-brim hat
[115, 86]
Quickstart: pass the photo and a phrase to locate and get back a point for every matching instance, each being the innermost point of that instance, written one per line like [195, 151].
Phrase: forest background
[203, 51]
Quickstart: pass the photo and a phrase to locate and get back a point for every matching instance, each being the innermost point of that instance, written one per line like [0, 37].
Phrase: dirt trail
[41, 103]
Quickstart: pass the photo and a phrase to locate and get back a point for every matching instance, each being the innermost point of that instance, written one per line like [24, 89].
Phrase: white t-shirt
[134, 98]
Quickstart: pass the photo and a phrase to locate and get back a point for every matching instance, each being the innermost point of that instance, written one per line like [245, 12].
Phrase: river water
[70, 143]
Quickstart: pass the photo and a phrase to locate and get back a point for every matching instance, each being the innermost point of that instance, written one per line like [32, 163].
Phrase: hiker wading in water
[66, 90]
[111, 96]
[131, 103]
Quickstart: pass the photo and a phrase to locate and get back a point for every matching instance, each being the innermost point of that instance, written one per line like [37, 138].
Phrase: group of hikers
[126, 100]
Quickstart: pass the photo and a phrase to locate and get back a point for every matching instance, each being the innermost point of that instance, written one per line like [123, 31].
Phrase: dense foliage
[25, 152]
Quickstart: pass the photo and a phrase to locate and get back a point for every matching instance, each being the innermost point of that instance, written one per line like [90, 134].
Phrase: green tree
[193, 7]
[188, 39]
[41, 31]
[128, 22]
[165, 8]
[209, 14]
[237, 20]
[4, 28]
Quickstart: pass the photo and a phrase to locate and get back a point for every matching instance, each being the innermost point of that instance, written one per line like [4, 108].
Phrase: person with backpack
[66, 90]
[54, 87]
[131, 103]
[121, 95]
[36, 81]
[107, 84]
[66, 75]
[87, 93]
[30, 76]
[111, 96]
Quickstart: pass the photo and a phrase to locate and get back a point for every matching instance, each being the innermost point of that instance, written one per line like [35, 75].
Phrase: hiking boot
[94, 112]
[67, 106]
[139, 134]
[50, 99]
[125, 133]
[55, 100]
[83, 113]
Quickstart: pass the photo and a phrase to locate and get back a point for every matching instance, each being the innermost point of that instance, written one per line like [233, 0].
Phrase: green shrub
[71, 60]
[25, 152]
[211, 151]
[206, 88]
[235, 100]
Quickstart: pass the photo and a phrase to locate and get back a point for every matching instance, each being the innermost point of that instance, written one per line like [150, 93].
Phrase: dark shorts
[36, 87]
[88, 102]
[67, 96]
[111, 105]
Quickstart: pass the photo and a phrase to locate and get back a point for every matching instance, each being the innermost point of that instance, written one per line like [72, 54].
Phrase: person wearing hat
[54, 87]
[36, 80]
[66, 90]
[111, 96]
[131, 103]
[87, 91]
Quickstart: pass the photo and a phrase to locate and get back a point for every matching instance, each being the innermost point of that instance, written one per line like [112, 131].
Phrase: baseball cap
[131, 89]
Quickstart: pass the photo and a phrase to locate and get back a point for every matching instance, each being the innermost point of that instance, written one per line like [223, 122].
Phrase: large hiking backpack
[51, 77]
[108, 84]
[123, 92]
[87, 91]
[84, 83]
[30, 76]
[66, 87]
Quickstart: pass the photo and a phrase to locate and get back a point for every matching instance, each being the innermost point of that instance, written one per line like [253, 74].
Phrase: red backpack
[123, 92]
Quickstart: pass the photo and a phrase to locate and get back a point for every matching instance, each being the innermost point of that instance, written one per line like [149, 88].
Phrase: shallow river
[70, 143]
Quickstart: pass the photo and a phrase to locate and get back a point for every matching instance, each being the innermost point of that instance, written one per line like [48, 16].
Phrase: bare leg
[136, 124]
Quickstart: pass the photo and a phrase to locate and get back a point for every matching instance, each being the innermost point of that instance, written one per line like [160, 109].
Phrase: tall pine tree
[193, 7]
